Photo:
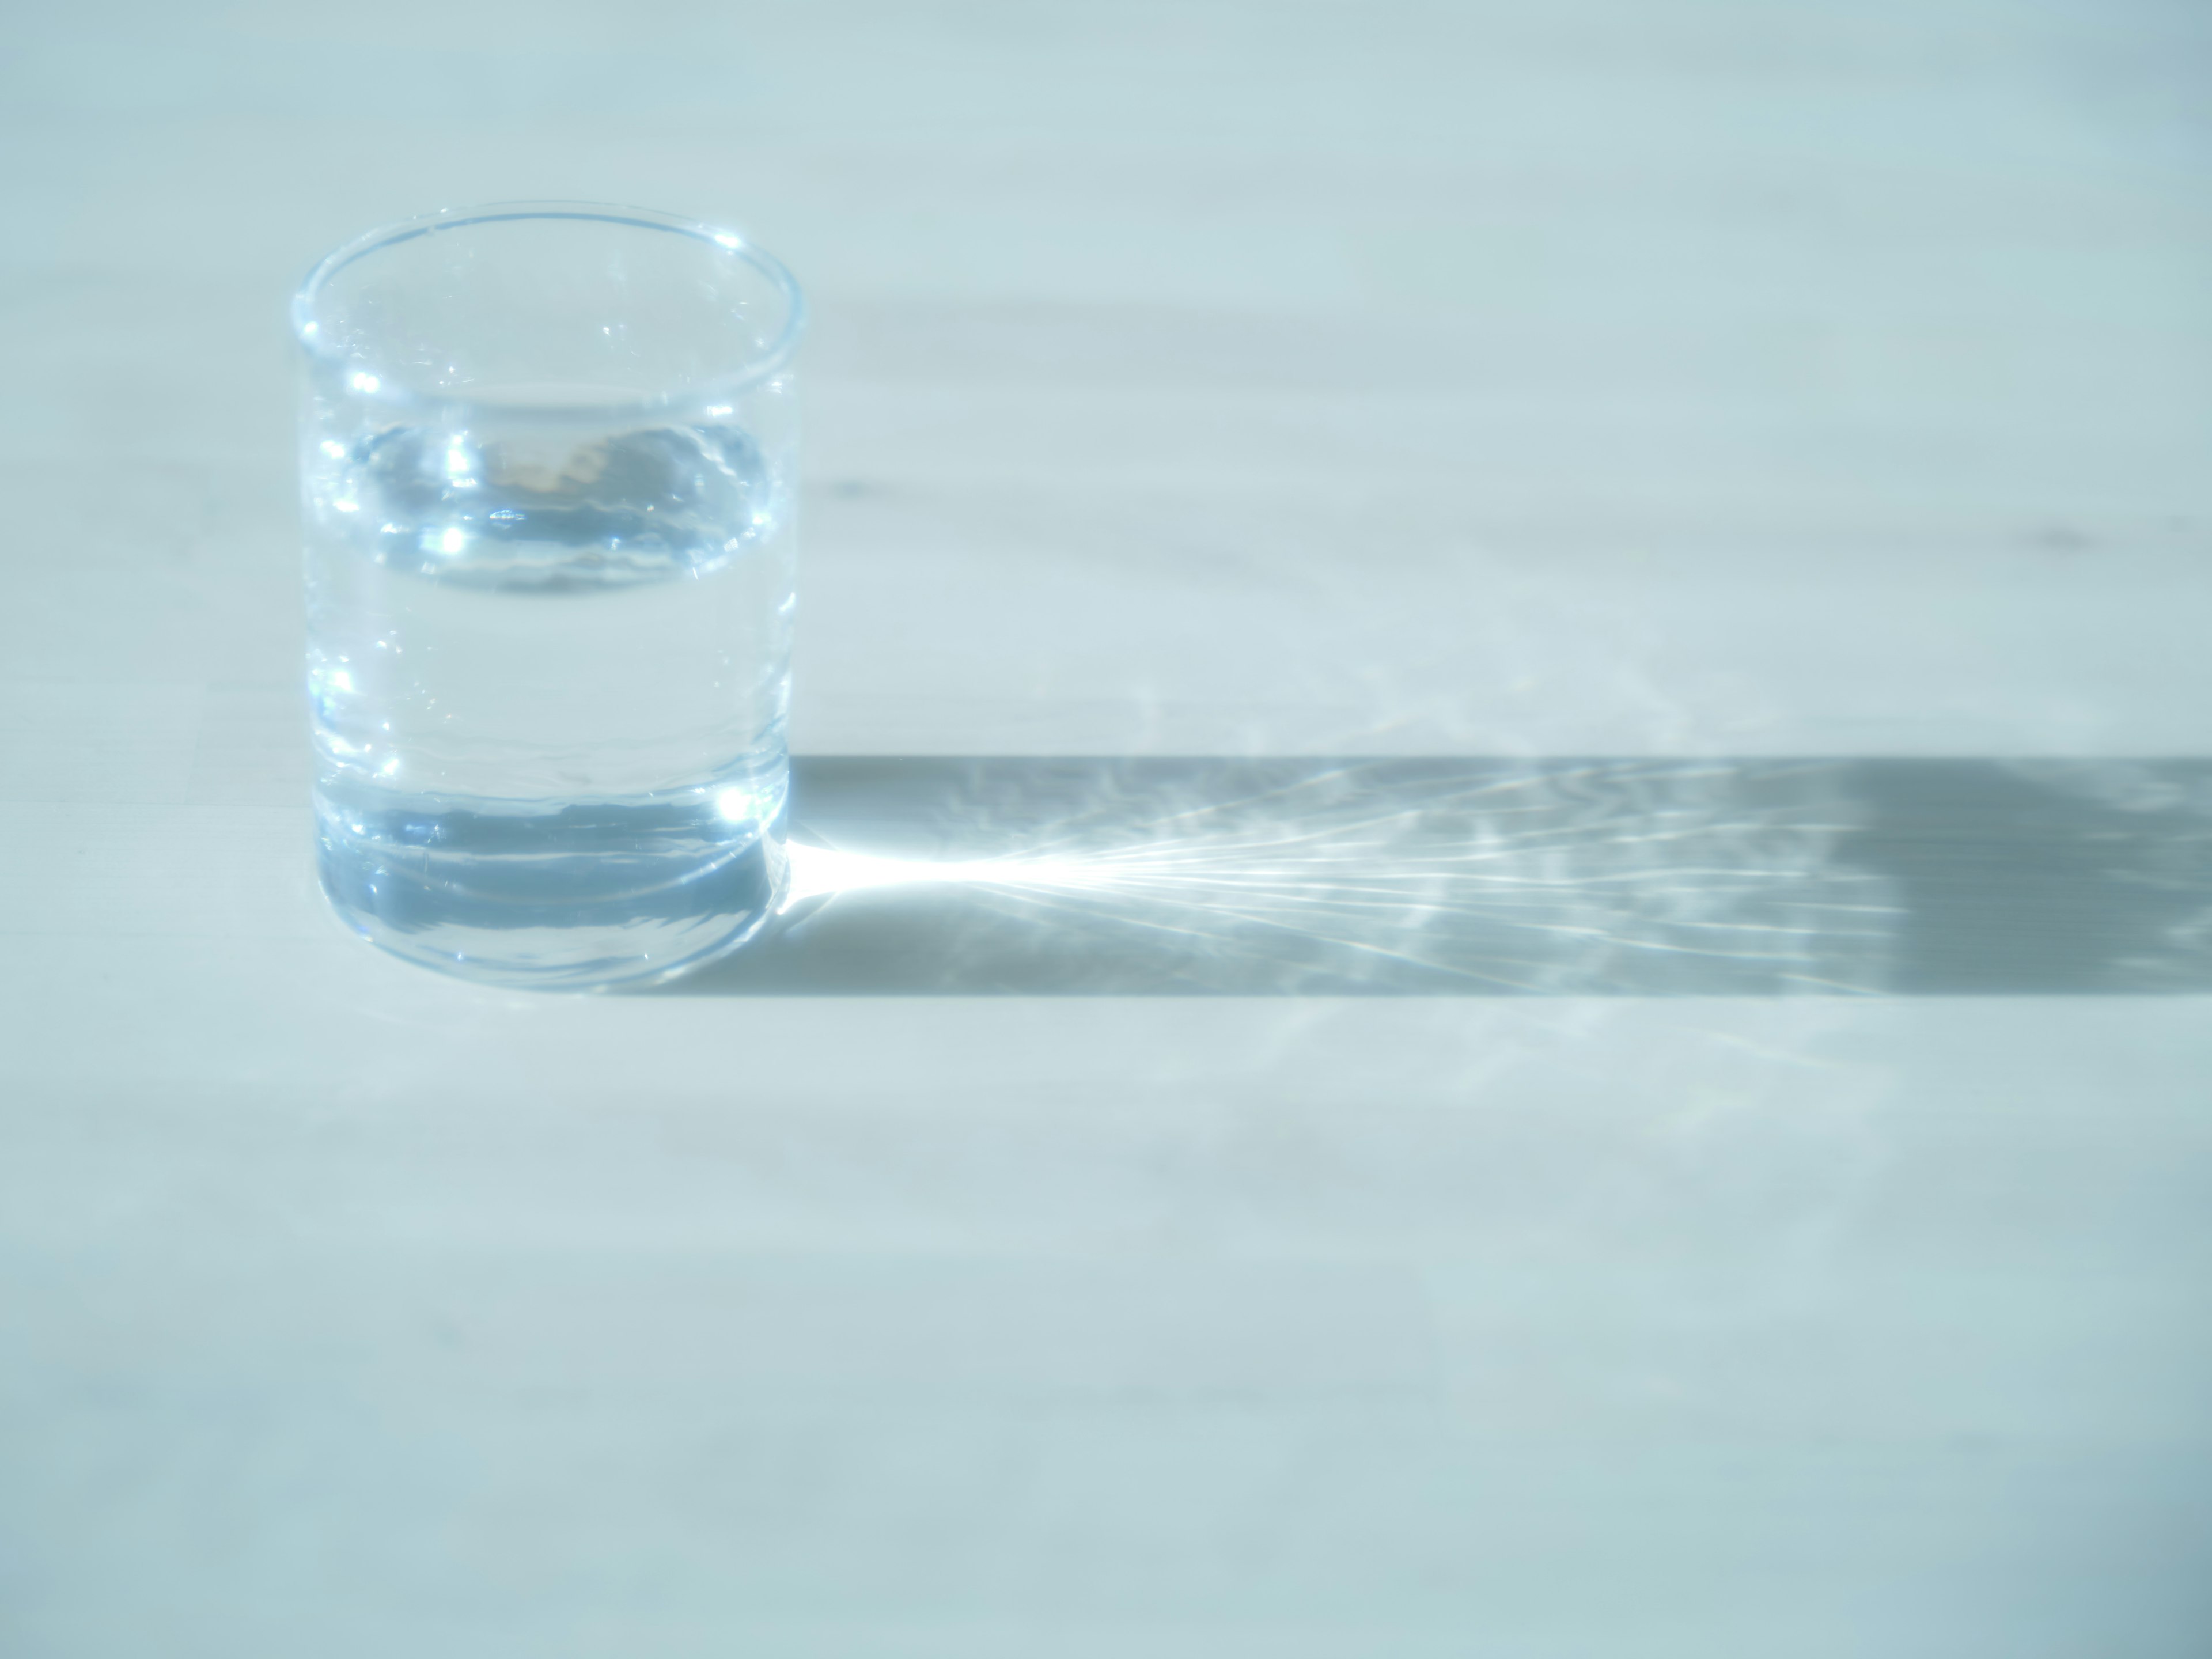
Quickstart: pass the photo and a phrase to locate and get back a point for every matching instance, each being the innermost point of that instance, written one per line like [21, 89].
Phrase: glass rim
[763, 365]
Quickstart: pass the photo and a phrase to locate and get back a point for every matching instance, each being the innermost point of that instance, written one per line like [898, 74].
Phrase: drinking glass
[548, 466]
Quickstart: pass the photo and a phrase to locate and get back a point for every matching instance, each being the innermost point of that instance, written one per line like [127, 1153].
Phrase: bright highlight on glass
[548, 466]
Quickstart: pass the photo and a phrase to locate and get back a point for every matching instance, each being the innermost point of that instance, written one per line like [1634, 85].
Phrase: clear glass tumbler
[548, 464]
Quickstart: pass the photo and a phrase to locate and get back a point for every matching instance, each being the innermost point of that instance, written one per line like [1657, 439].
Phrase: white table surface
[1601, 379]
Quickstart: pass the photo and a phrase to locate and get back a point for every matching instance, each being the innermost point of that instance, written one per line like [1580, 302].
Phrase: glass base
[580, 898]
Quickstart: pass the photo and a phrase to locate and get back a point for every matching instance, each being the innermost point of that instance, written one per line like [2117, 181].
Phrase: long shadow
[1478, 877]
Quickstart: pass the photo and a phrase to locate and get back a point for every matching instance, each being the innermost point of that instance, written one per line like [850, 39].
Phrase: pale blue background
[1602, 378]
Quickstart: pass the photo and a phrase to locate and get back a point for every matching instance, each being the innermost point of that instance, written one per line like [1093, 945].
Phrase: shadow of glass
[1472, 877]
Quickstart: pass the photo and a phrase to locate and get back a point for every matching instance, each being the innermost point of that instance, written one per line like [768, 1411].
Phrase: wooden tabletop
[1788, 427]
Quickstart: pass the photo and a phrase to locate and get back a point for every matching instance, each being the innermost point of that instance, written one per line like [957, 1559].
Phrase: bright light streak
[822, 872]
[1562, 877]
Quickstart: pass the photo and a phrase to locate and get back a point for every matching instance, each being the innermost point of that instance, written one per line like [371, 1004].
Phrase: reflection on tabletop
[1476, 877]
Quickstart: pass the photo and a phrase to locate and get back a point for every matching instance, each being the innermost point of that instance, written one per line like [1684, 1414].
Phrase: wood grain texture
[1703, 379]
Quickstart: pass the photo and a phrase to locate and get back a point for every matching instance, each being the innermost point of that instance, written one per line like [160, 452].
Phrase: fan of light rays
[1603, 873]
